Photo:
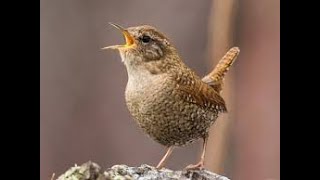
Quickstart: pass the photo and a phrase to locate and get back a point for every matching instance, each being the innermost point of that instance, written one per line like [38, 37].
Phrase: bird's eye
[145, 39]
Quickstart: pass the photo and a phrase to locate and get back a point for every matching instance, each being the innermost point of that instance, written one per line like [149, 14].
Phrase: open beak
[129, 39]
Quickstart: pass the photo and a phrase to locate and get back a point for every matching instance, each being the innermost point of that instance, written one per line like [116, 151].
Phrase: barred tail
[215, 78]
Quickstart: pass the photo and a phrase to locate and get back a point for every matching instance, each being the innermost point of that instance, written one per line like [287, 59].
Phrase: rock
[92, 171]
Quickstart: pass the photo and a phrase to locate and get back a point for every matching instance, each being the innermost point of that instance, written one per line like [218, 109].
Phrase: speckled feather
[167, 99]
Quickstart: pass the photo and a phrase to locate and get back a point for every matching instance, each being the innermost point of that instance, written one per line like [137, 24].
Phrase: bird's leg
[200, 164]
[165, 157]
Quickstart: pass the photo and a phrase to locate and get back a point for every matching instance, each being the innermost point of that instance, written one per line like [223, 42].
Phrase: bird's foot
[199, 166]
[159, 166]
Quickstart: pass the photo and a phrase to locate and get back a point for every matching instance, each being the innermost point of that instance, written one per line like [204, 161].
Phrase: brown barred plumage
[169, 102]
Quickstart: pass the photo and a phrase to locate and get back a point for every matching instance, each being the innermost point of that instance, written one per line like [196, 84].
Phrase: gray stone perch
[92, 171]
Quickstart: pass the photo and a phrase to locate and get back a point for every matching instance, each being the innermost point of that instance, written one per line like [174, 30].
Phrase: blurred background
[83, 112]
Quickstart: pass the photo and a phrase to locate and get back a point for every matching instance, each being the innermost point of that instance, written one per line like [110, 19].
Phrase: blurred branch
[220, 39]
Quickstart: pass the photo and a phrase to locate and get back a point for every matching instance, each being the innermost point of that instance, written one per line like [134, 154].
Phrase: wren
[169, 102]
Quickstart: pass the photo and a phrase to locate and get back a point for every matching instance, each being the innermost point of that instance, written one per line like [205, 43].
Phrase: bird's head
[145, 47]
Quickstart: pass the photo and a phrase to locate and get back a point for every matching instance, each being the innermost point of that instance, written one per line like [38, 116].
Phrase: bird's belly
[169, 120]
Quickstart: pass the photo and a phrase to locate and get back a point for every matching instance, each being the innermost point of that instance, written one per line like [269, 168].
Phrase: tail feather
[216, 77]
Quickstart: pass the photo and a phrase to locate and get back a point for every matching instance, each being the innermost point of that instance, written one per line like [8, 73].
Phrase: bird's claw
[199, 166]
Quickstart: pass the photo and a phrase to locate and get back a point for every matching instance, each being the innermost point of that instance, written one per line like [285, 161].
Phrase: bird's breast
[162, 114]
[144, 90]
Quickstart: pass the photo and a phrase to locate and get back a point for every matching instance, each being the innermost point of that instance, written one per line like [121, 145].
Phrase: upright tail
[216, 77]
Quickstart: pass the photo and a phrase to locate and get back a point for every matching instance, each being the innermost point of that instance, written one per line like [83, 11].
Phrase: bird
[167, 99]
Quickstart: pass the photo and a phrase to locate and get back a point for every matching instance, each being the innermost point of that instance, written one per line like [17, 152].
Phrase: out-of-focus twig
[220, 39]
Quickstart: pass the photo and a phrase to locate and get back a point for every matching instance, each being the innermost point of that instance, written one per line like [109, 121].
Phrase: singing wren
[169, 102]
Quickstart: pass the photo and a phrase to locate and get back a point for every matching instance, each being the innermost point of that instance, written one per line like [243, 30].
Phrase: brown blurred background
[83, 112]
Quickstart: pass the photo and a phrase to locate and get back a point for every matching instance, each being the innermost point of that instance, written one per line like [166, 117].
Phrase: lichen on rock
[92, 171]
